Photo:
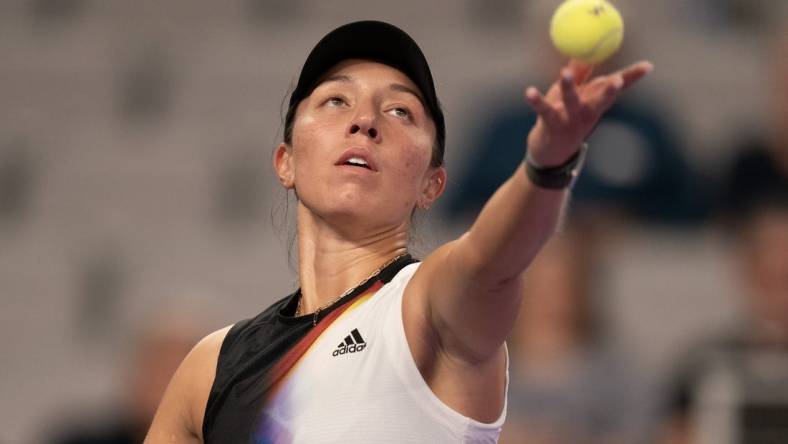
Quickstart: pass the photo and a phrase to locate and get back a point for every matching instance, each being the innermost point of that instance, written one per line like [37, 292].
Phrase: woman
[374, 346]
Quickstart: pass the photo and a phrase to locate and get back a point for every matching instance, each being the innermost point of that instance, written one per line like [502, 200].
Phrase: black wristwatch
[556, 177]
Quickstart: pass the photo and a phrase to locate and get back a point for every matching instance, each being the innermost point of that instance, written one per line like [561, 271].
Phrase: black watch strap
[557, 177]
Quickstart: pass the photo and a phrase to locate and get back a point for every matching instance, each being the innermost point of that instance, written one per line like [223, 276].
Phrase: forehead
[361, 70]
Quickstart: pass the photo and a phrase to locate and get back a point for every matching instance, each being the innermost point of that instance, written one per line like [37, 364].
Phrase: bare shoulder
[180, 413]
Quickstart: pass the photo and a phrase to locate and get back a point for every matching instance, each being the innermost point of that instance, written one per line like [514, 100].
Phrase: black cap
[379, 42]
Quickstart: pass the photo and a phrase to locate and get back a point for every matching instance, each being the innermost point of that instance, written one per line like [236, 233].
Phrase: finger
[612, 92]
[609, 89]
[540, 105]
[569, 91]
[633, 73]
[600, 94]
[581, 70]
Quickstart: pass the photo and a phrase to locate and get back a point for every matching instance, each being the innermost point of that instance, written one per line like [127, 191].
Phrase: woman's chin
[358, 214]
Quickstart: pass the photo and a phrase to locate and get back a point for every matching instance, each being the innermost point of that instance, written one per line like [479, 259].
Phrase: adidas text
[348, 349]
[353, 343]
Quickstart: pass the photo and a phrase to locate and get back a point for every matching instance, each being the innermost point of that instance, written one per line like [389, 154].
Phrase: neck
[332, 260]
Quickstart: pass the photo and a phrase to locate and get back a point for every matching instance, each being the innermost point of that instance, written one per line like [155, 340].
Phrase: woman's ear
[434, 185]
[283, 166]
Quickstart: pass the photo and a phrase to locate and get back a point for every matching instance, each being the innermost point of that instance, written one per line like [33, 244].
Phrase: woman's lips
[357, 158]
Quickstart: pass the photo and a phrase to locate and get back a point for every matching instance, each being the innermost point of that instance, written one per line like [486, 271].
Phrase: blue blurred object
[752, 180]
[635, 163]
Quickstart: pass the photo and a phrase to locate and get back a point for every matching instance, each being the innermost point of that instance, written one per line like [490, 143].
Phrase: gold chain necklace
[349, 290]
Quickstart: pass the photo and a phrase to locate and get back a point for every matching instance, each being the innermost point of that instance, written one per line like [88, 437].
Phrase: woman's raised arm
[469, 288]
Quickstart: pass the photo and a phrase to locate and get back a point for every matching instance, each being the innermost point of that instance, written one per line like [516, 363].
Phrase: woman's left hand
[572, 107]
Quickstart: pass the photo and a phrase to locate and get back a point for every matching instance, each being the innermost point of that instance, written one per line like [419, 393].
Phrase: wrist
[558, 176]
[549, 158]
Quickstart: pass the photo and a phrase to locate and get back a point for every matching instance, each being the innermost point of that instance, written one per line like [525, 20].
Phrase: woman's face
[361, 148]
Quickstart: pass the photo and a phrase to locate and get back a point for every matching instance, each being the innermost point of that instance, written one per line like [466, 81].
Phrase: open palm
[572, 107]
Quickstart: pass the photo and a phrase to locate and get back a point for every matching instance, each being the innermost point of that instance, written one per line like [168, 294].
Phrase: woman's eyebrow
[397, 87]
[402, 88]
[338, 78]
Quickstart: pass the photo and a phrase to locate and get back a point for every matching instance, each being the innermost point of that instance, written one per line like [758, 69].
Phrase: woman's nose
[365, 123]
[367, 130]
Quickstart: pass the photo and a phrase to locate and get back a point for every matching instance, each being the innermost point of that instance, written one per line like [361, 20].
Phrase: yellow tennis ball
[587, 30]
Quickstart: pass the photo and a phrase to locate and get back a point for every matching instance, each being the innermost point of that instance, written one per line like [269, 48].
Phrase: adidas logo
[353, 343]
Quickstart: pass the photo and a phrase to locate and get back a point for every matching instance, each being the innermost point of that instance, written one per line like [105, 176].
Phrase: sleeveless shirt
[348, 379]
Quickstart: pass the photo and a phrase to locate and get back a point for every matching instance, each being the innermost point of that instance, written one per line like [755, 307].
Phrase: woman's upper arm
[467, 315]
[180, 413]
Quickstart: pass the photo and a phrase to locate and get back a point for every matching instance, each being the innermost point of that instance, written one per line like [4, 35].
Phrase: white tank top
[358, 383]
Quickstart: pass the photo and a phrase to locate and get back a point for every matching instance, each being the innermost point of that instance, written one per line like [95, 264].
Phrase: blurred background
[138, 210]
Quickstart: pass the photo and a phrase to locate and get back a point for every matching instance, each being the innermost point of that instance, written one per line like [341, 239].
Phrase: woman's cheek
[416, 161]
[309, 147]
[410, 175]
[406, 169]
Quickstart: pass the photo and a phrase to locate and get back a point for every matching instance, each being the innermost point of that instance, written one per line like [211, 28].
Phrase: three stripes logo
[353, 343]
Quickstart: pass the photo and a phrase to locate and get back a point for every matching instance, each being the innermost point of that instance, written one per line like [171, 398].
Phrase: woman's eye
[401, 112]
[335, 101]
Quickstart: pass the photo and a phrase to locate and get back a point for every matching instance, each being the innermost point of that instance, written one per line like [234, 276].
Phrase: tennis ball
[587, 30]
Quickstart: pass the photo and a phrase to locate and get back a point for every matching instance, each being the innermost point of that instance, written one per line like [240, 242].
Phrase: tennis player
[375, 346]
